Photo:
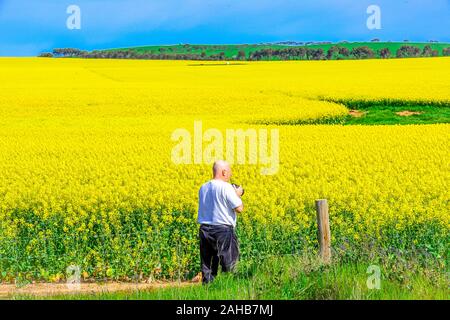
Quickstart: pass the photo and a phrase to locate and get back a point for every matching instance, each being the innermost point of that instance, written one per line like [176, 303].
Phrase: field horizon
[276, 51]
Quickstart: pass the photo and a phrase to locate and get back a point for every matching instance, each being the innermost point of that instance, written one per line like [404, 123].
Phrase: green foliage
[40, 252]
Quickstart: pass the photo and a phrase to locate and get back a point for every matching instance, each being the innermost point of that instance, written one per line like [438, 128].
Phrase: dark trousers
[218, 245]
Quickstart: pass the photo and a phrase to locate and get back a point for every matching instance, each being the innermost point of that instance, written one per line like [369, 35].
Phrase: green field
[391, 115]
[230, 50]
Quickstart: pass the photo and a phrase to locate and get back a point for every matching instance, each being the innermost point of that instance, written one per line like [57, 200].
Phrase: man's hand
[239, 209]
[239, 191]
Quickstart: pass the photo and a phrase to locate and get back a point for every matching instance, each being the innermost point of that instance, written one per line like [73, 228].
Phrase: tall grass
[299, 277]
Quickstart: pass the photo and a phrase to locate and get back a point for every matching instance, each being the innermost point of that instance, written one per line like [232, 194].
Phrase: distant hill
[287, 50]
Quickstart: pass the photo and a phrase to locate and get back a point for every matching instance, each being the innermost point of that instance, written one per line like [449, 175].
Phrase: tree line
[341, 53]
[292, 53]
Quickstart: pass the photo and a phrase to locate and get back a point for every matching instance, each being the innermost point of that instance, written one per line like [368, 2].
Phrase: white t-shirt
[217, 200]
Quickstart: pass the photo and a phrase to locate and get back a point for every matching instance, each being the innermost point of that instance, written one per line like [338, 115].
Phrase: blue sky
[28, 27]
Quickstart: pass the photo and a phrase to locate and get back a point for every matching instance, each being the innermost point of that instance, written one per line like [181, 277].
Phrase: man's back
[217, 200]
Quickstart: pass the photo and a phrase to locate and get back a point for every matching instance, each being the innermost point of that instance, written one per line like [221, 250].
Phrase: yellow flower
[86, 145]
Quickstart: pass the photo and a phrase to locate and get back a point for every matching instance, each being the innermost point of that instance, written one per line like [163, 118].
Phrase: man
[219, 202]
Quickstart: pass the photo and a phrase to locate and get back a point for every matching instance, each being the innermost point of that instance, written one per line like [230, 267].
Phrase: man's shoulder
[216, 184]
[205, 185]
[221, 184]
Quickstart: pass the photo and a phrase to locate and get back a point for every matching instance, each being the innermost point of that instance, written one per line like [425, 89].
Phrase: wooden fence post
[324, 234]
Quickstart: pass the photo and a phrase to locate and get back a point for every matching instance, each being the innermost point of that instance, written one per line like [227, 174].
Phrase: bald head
[222, 170]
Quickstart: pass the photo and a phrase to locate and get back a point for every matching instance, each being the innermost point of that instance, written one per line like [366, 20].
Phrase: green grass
[232, 50]
[387, 115]
[384, 112]
[376, 113]
[299, 278]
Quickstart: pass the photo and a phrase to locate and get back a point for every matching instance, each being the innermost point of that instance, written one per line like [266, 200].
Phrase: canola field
[87, 178]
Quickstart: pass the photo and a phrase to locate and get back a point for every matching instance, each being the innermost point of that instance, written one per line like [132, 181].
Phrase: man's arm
[239, 192]
[233, 197]
[239, 209]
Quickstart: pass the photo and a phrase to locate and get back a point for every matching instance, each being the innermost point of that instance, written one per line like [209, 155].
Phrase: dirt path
[49, 289]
